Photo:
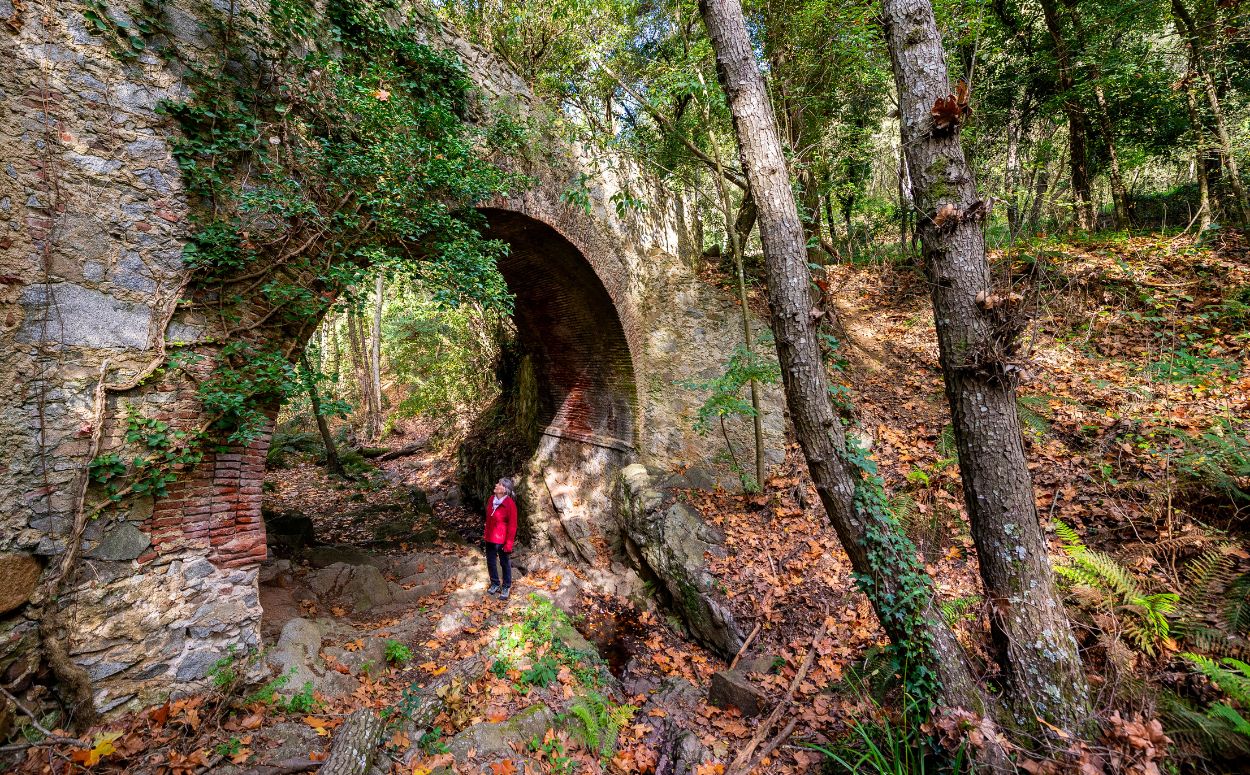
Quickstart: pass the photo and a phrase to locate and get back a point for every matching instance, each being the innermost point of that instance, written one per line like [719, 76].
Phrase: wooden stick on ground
[744, 756]
[772, 745]
[745, 644]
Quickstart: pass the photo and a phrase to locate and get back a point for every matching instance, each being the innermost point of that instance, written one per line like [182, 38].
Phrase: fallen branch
[411, 449]
[745, 644]
[773, 744]
[355, 744]
[286, 767]
[739, 766]
[48, 736]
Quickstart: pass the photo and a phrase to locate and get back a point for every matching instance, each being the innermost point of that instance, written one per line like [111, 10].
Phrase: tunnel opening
[566, 414]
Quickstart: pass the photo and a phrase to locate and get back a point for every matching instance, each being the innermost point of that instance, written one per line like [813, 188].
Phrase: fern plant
[1221, 728]
[597, 721]
[1143, 616]
[1032, 412]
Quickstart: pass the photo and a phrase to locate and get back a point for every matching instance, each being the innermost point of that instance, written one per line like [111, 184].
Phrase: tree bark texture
[1029, 624]
[375, 358]
[355, 745]
[884, 561]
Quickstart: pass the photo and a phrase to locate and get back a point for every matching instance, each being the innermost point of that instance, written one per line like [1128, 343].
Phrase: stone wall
[92, 223]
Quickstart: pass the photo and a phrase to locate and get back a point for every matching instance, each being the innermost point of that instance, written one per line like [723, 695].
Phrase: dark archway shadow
[569, 382]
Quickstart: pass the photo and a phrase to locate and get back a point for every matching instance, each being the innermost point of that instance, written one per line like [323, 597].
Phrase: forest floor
[1134, 406]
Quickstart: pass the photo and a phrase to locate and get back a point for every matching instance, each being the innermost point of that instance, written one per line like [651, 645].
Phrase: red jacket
[500, 523]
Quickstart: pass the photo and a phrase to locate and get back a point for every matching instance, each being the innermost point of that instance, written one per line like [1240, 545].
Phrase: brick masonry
[92, 223]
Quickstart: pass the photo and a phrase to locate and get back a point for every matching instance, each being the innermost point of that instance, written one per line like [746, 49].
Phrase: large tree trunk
[976, 330]
[1078, 126]
[884, 560]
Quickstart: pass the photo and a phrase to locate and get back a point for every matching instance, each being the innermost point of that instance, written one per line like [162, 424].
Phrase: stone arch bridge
[92, 224]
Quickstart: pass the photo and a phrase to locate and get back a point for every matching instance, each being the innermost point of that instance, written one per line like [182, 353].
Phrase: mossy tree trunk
[976, 331]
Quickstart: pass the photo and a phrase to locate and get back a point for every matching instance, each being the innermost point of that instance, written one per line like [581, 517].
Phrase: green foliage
[1032, 412]
[960, 608]
[431, 742]
[903, 603]
[552, 751]
[230, 747]
[162, 452]
[1219, 728]
[542, 673]
[1143, 616]
[890, 746]
[397, 653]
[1192, 368]
[726, 399]
[303, 701]
[1217, 459]
[597, 721]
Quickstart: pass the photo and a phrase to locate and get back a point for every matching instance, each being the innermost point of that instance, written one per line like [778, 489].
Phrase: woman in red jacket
[499, 536]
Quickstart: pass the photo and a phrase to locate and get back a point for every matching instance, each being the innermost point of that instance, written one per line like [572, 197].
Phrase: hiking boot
[504, 593]
[494, 589]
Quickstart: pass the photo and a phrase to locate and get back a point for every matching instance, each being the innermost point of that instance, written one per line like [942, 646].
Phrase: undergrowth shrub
[597, 721]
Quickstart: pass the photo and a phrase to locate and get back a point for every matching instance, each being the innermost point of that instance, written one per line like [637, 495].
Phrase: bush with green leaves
[397, 653]
[597, 722]
[1218, 729]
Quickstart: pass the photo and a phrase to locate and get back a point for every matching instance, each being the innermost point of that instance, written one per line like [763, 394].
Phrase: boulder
[296, 655]
[325, 556]
[363, 586]
[669, 543]
[496, 740]
[730, 688]
[122, 542]
[19, 573]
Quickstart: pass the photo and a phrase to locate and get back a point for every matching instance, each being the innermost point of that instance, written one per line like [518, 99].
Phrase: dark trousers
[505, 564]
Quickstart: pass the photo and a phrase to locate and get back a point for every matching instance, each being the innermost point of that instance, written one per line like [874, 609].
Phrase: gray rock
[82, 316]
[325, 556]
[123, 542]
[730, 688]
[670, 544]
[495, 740]
[196, 663]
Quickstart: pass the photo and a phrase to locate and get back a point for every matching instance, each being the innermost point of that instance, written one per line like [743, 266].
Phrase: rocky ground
[727, 630]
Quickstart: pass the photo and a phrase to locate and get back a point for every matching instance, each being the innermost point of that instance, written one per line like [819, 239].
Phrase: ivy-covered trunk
[977, 328]
[884, 560]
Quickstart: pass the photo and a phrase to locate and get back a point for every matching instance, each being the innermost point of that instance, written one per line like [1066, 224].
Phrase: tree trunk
[333, 464]
[1200, 161]
[1078, 131]
[375, 360]
[355, 745]
[976, 335]
[884, 560]
[1189, 31]
[1119, 194]
[360, 368]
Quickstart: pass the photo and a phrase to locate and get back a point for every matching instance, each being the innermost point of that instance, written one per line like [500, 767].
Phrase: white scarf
[496, 502]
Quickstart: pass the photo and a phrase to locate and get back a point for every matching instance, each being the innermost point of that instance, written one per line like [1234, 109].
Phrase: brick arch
[568, 321]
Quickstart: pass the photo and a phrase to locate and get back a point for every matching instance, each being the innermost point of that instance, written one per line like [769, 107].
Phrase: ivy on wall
[317, 143]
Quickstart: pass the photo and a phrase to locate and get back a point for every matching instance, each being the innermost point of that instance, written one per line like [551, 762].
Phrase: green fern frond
[903, 507]
[1237, 605]
[1234, 719]
[1032, 413]
[1231, 675]
[1195, 731]
[1072, 543]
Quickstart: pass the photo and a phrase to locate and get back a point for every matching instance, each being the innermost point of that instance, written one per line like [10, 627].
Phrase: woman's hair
[507, 485]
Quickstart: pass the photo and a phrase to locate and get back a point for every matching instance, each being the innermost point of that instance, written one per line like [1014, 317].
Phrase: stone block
[19, 573]
[730, 688]
[123, 542]
[82, 316]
